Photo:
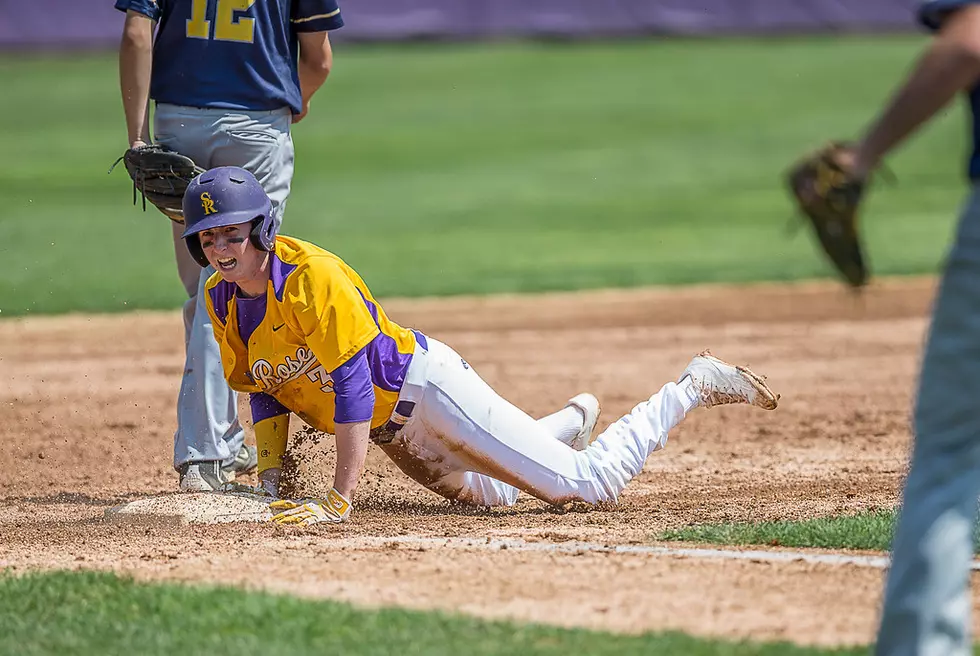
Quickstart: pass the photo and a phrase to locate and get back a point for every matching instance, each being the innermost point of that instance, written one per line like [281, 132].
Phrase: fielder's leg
[927, 608]
[259, 142]
[207, 411]
[208, 434]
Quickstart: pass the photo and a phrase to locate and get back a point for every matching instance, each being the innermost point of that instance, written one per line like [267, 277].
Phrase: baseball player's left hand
[333, 509]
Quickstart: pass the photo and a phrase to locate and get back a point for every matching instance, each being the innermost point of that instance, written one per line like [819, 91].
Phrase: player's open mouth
[227, 263]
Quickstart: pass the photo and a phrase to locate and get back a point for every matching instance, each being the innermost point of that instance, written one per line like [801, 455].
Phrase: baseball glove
[828, 193]
[161, 175]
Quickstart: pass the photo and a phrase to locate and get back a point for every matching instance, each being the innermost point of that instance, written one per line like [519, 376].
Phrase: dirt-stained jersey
[316, 316]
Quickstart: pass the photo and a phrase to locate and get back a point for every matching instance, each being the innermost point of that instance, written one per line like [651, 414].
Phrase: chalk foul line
[495, 544]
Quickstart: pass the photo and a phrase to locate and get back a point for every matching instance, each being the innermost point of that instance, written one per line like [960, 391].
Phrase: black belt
[386, 433]
[403, 410]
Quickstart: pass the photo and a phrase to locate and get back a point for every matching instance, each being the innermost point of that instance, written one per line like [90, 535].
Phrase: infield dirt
[86, 422]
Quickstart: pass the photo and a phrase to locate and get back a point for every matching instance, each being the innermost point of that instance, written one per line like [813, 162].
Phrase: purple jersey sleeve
[264, 406]
[354, 390]
[149, 8]
[932, 13]
[316, 16]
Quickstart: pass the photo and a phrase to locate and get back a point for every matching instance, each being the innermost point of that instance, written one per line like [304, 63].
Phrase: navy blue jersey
[931, 14]
[231, 54]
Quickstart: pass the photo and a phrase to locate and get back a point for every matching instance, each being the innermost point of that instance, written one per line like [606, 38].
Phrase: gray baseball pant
[927, 605]
[259, 141]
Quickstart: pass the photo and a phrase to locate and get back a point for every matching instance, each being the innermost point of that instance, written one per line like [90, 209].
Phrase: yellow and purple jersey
[316, 344]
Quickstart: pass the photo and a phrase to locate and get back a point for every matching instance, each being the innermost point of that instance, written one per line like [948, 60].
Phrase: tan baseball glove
[828, 193]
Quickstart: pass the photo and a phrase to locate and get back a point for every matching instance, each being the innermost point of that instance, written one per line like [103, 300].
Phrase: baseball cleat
[589, 405]
[246, 460]
[720, 383]
[201, 476]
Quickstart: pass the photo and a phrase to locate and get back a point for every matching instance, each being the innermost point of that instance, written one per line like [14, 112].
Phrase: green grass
[872, 530]
[869, 530]
[508, 167]
[95, 613]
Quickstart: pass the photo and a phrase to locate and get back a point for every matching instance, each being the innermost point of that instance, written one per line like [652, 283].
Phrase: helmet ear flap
[263, 242]
[193, 243]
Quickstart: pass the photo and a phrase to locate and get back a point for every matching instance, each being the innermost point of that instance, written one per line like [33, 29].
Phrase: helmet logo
[207, 204]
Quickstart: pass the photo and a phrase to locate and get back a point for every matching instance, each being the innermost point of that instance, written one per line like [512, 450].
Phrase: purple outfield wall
[95, 24]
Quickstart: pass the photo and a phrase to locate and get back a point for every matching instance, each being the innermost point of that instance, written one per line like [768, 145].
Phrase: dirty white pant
[467, 443]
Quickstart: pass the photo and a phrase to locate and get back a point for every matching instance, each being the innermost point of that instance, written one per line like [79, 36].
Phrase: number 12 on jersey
[226, 27]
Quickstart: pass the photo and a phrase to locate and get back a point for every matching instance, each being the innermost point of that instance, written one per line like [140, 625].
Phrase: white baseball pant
[467, 443]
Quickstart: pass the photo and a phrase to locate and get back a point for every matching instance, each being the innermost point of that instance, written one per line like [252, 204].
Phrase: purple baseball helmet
[224, 196]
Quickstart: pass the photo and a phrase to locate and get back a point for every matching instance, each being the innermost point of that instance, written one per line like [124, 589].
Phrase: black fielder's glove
[828, 193]
[161, 175]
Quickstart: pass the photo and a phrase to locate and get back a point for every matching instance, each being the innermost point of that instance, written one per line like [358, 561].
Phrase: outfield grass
[94, 613]
[446, 169]
[870, 530]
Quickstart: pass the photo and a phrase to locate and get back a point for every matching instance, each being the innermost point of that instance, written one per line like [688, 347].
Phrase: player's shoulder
[152, 9]
[316, 16]
[306, 265]
[306, 254]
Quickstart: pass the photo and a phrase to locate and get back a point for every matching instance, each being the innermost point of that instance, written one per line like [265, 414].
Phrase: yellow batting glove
[305, 512]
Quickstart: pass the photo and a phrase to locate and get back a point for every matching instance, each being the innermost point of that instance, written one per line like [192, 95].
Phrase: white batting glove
[305, 512]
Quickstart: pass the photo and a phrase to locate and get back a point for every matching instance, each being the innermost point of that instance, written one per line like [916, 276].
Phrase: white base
[193, 508]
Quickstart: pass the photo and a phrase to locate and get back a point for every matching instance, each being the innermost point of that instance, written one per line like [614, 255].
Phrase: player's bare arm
[950, 65]
[352, 447]
[315, 62]
[830, 183]
[135, 65]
